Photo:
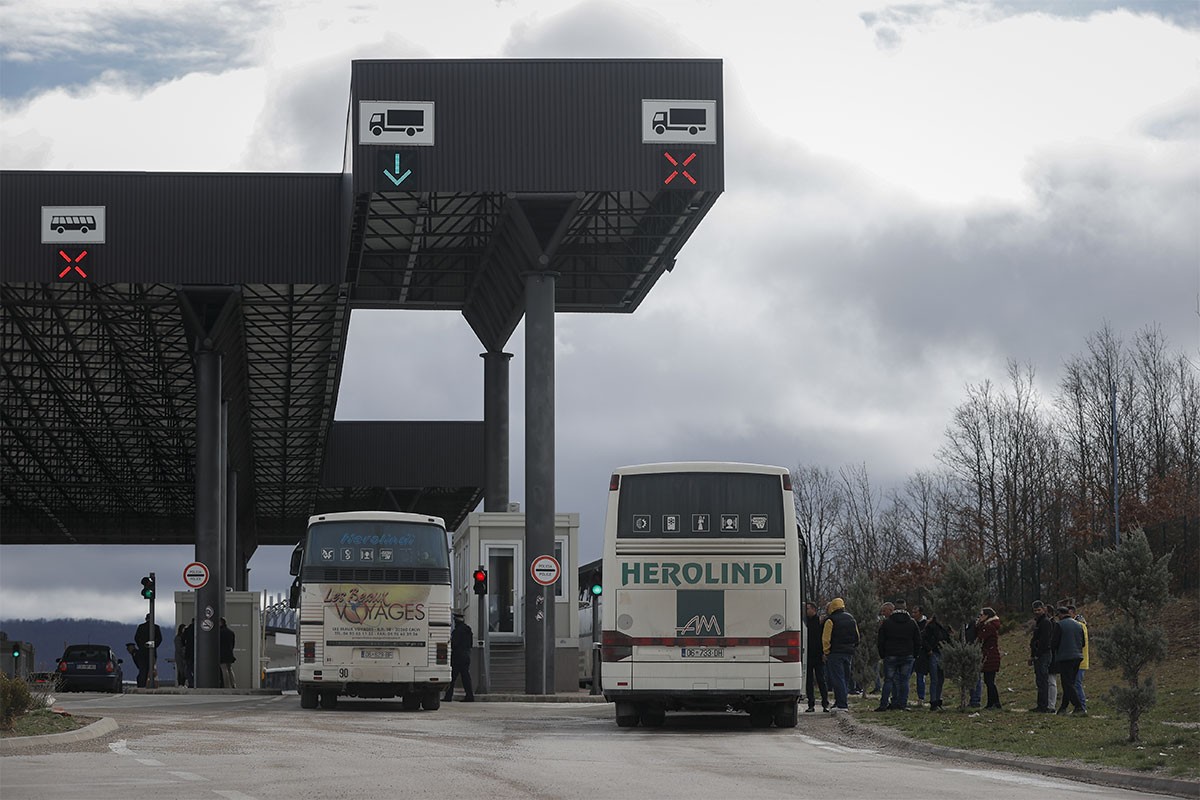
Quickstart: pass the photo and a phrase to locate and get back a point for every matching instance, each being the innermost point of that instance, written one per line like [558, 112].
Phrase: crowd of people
[185, 648]
[911, 645]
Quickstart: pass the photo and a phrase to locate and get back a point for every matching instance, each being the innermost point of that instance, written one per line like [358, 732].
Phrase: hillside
[51, 636]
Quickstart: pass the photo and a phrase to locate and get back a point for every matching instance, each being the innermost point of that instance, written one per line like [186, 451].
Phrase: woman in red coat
[987, 632]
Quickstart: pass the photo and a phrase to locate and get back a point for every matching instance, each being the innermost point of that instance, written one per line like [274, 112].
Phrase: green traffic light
[148, 588]
[597, 589]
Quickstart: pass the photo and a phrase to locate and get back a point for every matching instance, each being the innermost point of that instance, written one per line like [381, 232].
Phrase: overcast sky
[915, 193]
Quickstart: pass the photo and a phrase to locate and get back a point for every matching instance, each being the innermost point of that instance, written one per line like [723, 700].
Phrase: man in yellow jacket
[1083, 665]
[838, 640]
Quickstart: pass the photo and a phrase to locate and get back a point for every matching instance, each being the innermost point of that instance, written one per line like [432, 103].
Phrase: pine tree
[1129, 580]
[862, 602]
[956, 600]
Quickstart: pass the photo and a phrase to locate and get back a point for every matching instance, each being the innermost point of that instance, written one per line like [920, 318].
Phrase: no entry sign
[545, 570]
[195, 575]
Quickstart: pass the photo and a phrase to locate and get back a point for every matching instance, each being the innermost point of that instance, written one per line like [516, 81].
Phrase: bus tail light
[310, 652]
[442, 653]
[614, 483]
[615, 646]
[787, 481]
[785, 646]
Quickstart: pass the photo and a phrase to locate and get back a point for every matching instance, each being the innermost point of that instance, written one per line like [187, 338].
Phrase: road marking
[1028, 780]
[149, 762]
[120, 747]
[189, 776]
[230, 794]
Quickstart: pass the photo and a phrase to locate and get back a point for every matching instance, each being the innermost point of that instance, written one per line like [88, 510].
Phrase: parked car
[43, 680]
[90, 667]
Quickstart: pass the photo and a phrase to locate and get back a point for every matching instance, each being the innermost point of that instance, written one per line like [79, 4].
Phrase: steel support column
[235, 567]
[210, 479]
[495, 430]
[539, 478]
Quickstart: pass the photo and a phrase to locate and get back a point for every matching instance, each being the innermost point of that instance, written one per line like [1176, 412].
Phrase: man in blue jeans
[899, 642]
[839, 637]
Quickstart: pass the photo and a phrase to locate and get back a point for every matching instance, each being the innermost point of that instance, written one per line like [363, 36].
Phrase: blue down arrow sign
[397, 181]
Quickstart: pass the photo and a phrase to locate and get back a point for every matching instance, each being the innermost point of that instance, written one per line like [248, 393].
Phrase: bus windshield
[700, 505]
[376, 543]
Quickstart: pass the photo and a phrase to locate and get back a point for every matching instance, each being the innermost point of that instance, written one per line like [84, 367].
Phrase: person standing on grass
[1083, 665]
[931, 642]
[987, 630]
[1040, 656]
[1068, 655]
[921, 664]
[881, 676]
[899, 641]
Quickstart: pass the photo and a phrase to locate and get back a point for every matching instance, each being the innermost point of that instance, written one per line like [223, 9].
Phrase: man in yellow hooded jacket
[838, 640]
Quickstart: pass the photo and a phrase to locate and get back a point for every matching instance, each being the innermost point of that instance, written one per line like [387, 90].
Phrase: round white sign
[195, 575]
[545, 570]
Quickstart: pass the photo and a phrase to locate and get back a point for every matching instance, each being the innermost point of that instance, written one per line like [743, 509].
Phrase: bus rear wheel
[308, 698]
[411, 702]
[627, 715]
[432, 701]
[785, 714]
[328, 700]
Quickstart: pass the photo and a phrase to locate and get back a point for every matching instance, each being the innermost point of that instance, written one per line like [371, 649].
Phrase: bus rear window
[700, 505]
[376, 543]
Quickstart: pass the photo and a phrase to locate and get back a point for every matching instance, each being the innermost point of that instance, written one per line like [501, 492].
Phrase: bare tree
[818, 501]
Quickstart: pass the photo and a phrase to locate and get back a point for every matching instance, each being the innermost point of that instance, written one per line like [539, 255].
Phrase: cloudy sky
[915, 193]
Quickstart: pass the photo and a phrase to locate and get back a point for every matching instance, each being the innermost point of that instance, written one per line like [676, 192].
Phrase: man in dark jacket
[1067, 644]
[839, 637]
[1039, 656]
[462, 639]
[899, 642]
[815, 669]
[932, 637]
[228, 643]
[149, 657]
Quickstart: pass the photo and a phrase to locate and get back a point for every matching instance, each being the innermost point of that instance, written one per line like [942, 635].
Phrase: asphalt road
[265, 747]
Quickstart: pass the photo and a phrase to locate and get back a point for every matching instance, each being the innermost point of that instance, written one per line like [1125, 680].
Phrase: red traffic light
[480, 577]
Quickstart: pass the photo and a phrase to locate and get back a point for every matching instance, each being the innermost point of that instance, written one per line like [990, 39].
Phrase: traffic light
[16, 651]
[148, 587]
[597, 587]
[480, 576]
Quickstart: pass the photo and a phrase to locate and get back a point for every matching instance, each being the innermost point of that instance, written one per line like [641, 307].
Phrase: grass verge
[43, 721]
[1170, 732]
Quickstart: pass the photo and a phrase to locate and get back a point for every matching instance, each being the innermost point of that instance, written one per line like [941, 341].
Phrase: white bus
[703, 606]
[373, 590]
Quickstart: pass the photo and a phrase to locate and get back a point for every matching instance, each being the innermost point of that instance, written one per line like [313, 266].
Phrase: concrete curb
[1122, 780]
[97, 729]
[185, 690]
[537, 698]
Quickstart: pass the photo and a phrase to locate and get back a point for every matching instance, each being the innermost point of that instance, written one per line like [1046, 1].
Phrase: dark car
[90, 667]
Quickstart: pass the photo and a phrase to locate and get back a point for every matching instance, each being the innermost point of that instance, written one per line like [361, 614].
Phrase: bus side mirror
[294, 595]
[297, 557]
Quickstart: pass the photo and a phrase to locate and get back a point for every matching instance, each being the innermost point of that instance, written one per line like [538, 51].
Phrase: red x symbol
[675, 163]
[72, 264]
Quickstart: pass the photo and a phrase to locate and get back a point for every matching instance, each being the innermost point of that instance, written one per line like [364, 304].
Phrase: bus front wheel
[308, 698]
[627, 715]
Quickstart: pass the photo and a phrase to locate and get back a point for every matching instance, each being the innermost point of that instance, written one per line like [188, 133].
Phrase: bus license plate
[702, 652]
[375, 654]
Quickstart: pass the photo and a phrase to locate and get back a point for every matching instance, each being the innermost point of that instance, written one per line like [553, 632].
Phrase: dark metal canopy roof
[537, 165]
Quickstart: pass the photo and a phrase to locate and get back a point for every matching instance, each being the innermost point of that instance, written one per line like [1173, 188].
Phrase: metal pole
[209, 473]
[1116, 469]
[495, 430]
[539, 478]
[151, 677]
[485, 661]
[595, 644]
